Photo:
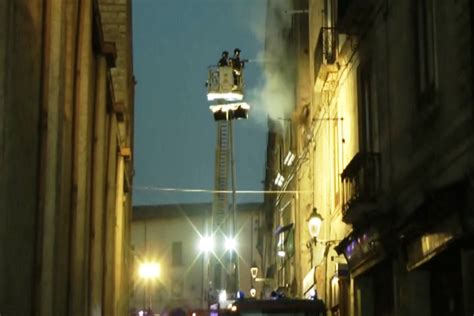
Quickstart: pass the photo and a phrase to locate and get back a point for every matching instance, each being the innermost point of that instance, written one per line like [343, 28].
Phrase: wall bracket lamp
[314, 223]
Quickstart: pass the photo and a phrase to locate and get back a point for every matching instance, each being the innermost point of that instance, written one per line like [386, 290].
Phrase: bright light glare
[281, 253]
[229, 107]
[230, 244]
[206, 244]
[149, 270]
[222, 296]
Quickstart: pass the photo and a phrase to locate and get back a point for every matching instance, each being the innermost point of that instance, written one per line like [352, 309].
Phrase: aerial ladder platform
[225, 90]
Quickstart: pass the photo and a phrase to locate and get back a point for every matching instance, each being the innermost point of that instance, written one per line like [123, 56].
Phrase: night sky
[175, 135]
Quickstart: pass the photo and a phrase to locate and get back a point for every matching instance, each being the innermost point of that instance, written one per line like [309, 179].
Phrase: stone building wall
[64, 227]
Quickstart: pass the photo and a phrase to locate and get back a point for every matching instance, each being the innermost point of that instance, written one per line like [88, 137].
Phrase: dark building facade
[66, 119]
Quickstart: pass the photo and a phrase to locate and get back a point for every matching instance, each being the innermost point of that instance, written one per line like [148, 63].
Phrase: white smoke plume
[274, 97]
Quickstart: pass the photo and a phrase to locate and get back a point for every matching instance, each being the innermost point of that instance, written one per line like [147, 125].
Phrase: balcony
[353, 16]
[361, 184]
[325, 50]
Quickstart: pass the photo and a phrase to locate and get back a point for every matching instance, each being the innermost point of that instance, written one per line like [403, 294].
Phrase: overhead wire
[210, 191]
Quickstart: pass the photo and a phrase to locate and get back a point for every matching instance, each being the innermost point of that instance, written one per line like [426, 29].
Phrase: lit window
[290, 157]
[279, 180]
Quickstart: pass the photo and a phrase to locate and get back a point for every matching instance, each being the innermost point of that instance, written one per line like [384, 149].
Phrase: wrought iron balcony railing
[325, 50]
[361, 184]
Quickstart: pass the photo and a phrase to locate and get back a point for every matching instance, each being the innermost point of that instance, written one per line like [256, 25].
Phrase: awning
[439, 221]
[362, 250]
[431, 243]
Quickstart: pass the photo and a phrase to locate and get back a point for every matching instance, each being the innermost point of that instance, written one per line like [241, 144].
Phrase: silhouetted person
[237, 66]
[224, 61]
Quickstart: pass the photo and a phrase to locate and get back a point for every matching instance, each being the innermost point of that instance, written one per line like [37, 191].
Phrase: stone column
[110, 219]
[81, 166]
[98, 191]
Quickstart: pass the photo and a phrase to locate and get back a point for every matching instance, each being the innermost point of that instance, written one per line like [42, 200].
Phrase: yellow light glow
[314, 225]
[253, 292]
[149, 270]
[254, 271]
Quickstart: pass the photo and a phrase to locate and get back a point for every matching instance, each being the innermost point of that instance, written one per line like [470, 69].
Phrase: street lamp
[206, 244]
[253, 273]
[253, 292]
[222, 296]
[230, 244]
[149, 271]
[254, 270]
[314, 223]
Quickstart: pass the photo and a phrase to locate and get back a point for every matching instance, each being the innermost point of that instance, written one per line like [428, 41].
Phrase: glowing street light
[254, 270]
[230, 244]
[314, 223]
[222, 296]
[253, 292]
[149, 270]
[206, 244]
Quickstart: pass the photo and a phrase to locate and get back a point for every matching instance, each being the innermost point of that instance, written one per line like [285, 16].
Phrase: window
[426, 50]
[177, 253]
[336, 163]
[290, 243]
[365, 109]
[177, 287]
[335, 295]
[217, 273]
[278, 154]
[288, 136]
[340, 294]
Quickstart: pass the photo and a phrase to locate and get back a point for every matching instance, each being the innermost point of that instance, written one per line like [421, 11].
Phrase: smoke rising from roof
[274, 97]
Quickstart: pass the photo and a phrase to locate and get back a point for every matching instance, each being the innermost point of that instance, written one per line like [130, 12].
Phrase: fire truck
[274, 307]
